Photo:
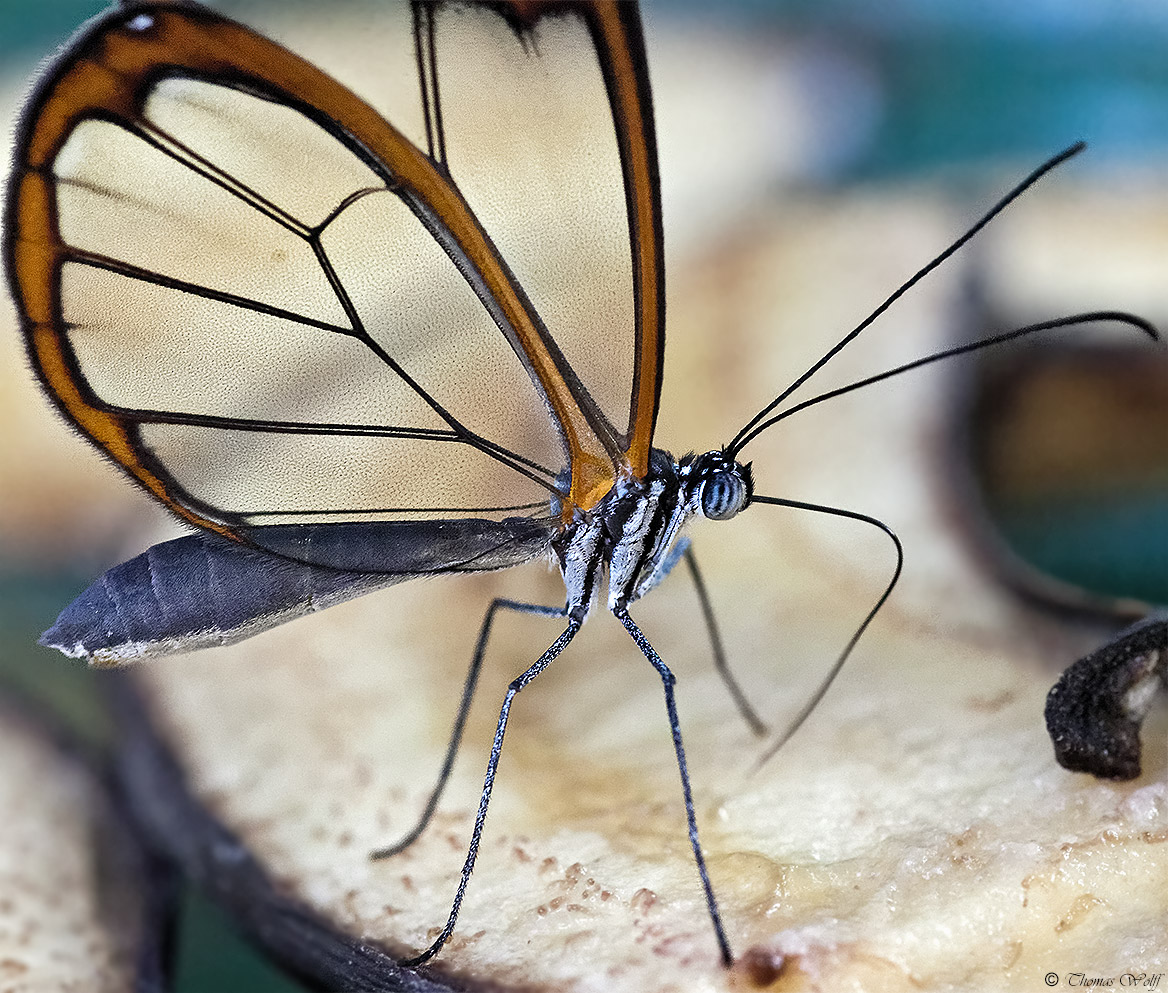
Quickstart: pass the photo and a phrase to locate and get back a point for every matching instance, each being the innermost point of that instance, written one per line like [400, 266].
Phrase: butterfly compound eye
[723, 495]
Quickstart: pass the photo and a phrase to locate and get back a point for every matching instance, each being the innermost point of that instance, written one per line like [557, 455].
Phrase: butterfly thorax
[633, 532]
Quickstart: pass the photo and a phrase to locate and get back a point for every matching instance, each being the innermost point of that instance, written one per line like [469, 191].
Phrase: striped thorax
[635, 529]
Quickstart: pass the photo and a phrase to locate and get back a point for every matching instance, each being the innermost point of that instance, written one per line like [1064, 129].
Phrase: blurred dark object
[1094, 712]
[1070, 446]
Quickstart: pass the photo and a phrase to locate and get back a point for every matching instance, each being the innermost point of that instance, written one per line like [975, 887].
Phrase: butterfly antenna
[825, 683]
[748, 430]
[1092, 317]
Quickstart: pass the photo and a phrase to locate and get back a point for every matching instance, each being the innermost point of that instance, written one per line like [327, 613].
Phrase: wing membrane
[253, 474]
[237, 279]
[559, 218]
[567, 119]
[191, 357]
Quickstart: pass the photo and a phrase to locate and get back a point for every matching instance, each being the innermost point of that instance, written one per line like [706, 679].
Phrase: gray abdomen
[197, 592]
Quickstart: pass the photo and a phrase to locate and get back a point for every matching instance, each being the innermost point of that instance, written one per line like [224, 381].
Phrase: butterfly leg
[468, 690]
[517, 684]
[683, 548]
[668, 679]
[721, 665]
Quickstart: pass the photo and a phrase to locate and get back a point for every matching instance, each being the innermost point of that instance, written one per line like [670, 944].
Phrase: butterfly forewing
[271, 307]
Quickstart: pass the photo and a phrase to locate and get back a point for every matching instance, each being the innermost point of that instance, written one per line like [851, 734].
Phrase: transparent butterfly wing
[550, 131]
[271, 307]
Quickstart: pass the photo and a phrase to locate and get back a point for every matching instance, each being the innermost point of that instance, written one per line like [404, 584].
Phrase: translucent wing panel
[122, 198]
[260, 144]
[417, 306]
[288, 336]
[207, 357]
[529, 139]
[259, 477]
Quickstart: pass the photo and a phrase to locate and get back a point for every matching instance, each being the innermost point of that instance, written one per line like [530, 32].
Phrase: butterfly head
[722, 486]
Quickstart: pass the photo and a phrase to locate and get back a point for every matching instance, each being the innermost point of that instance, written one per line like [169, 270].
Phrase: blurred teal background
[931, 83]
[907, 88]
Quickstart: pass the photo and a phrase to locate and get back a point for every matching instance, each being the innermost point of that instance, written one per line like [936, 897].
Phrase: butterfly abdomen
[195, 592]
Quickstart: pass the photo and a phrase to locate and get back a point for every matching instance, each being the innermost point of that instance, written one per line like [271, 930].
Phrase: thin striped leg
[721, 665]
[472, 851]
[668, 680]
[468, 691]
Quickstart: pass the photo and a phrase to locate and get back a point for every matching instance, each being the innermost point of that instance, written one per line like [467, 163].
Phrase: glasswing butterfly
[316, 336]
